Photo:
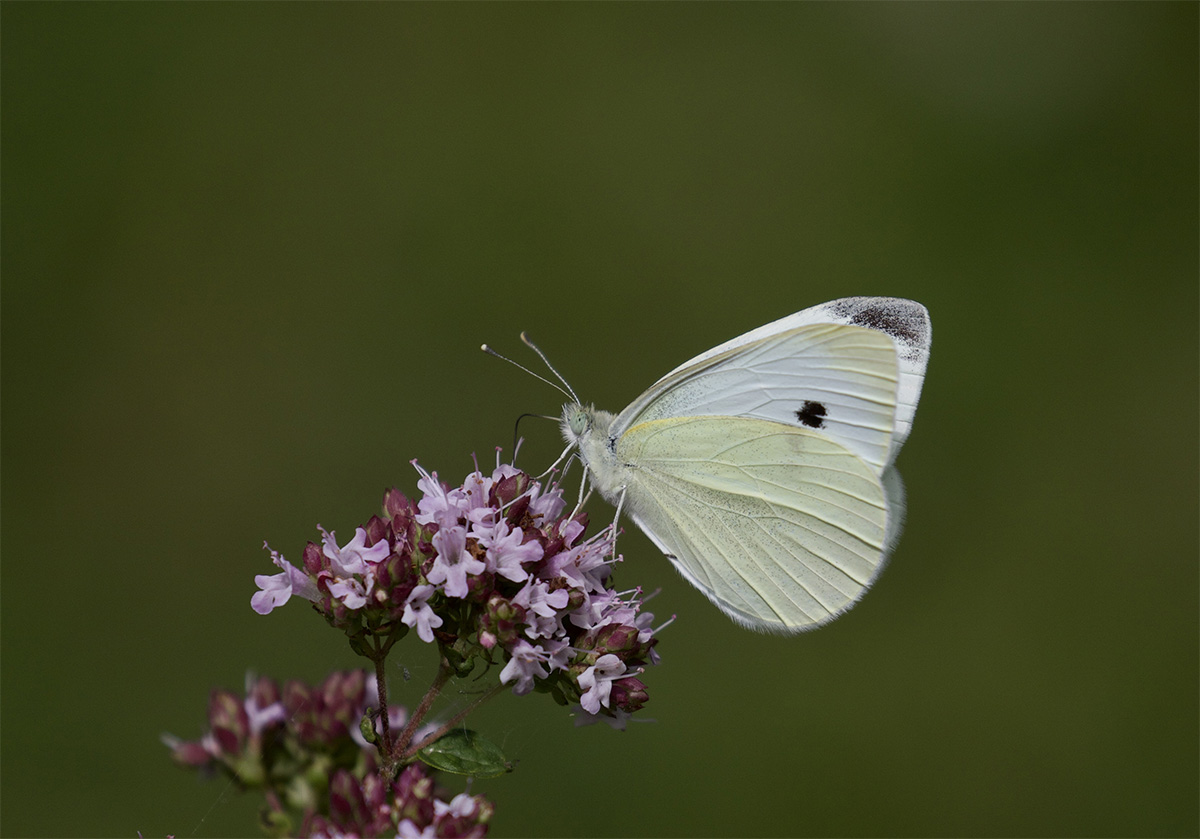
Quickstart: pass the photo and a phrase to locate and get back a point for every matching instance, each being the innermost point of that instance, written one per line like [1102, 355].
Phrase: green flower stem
[445, 671]
[454, 721]
[385, 745]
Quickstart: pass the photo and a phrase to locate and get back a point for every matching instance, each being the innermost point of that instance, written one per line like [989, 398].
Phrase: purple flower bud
[298, 700]
[346, 806]
[297, 696]
[458, 827]
[629, 694]
[480, 586]
[397, 579]
[229, 723]
[346, 687]
[356, 808]
[414, 795]
[340, 700]
[264, 692]
[643, 650]
[377, 530]
[517, 513]
[397, 505]
[375, 792]
[314, 824]
[616, 638]
[577, 598]
[423, 544]
[552, 544]
[506, 490]
[502, 620]
[192, 754]
[314, 560]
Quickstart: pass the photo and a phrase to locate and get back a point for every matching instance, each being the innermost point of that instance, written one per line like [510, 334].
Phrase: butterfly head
[577, 421]
[581, 423]
[589, 431]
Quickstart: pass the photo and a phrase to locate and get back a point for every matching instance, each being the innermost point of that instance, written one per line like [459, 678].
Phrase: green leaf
[466, 752]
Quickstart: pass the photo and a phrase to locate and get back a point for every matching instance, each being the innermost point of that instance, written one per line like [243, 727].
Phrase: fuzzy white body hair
[589, 430]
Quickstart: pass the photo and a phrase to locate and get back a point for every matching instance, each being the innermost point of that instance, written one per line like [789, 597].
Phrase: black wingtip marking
[812, 414]
[888, 320]
[901, 319]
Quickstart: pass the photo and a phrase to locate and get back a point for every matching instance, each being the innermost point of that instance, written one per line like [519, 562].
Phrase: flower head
[502, 573]
[296, 744]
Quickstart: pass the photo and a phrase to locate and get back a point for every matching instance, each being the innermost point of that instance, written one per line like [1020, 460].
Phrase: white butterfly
[763, 467]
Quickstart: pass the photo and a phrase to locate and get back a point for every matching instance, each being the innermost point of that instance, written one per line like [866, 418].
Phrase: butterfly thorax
[590, 431]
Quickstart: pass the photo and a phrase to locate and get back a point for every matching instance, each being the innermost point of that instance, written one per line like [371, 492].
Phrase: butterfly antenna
[492, 352]
[517, 430]
[525, 340]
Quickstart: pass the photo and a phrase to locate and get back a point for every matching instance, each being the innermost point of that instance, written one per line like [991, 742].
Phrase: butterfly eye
[579, 423]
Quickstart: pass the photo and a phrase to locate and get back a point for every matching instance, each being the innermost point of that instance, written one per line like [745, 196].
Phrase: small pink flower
[525, 665]
[544, 606]
[438, 505]
[548, 506]
[355, 557]
[453, 562]
[418, 613]
[597, 681]
[408, 830]
[461, 806]
[258, 714]
[507, 552]
[277, 589]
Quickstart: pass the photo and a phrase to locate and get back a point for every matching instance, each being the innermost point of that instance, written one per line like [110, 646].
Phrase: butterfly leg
[617, 520]
[567, 451]
[583, 485]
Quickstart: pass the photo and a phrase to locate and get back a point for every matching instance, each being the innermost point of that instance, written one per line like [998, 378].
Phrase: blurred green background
[250, 252]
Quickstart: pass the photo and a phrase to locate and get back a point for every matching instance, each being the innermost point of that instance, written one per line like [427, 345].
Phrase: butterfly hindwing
[782, 527]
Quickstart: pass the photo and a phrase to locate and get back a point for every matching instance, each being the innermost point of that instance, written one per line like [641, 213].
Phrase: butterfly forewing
[781, 526]
[905, 322]
[838, 380]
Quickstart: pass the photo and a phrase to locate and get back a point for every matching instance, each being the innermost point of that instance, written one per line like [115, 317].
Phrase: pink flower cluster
[304, 744]
[492, 569]
[412, 806]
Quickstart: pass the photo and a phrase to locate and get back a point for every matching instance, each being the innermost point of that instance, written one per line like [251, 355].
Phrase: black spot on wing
[812, 414]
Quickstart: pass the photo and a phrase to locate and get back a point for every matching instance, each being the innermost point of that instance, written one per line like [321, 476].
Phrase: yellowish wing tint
[780, 526]
[846, 375]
